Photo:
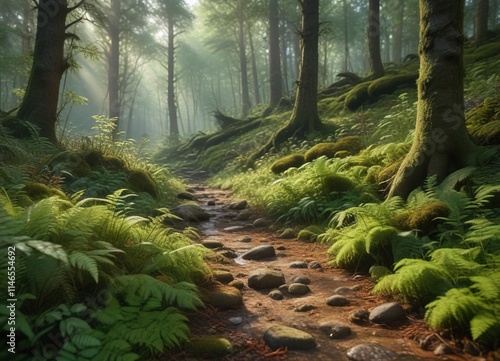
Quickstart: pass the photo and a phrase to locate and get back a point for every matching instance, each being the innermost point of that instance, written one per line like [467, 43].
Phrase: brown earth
[410, 337]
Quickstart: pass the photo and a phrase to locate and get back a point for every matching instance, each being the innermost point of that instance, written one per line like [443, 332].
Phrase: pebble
[337, 300]
[298, 289]
[298, 264]
[276, 295]
[304, 308]
[235, 321]
[315, 265]
[301, 279]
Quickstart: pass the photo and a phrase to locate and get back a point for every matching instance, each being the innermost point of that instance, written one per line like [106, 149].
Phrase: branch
[80, 3]
[74, 22]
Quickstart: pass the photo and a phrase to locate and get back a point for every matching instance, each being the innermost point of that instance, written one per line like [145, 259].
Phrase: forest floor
[410, 338]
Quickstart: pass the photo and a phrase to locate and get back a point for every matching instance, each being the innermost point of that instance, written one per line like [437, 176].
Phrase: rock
[244, 215]
[387, 313]
[288, 234]
[370, 352]
[442, 350]
[235, 321]
[228, 253]
[261, 222]
[187, 195]
[344, 291]
[260, 252]
[281, 248]
[337, 300]
[234, 229]
[223, 276]
[265, 278]
[209, 347]
[191, 213]
[359, 316]
[304, 308]
[315, 265]
[238, 206]
[298, 264]
[212, 244]
[284, 288]
[224, 297]
[276, 295]
[336, 331]
[301, 279]
[298, 289]
[211, 203]
[282, 336]
[246, 240]
[237, 284]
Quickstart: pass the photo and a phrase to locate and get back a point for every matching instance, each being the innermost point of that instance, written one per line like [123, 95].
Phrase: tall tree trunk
[304, 118]
[398, 33]
[441, 143]
[114, 63]
[39, 105]
[245, 95]
[346, 38]
[275, 77]
[481, 21]
[255, 73]
[284, 59]
[172, 107]
[374, 38]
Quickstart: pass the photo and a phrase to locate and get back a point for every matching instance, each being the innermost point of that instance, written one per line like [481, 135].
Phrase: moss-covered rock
[357, 96]
[141, 181]
[113, 163]
[37, 191]
[77, 165]
[337, 183]
[94, 158]
[212, 347]
[389, 83]
[352, 144]
[483, 122]
[311, 233]
[293, 160]
[423, 219]
[342, 154]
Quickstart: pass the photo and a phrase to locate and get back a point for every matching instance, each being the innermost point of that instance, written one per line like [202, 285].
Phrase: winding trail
[259, 311]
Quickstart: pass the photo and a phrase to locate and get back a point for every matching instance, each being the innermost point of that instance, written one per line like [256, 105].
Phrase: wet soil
[260, 312]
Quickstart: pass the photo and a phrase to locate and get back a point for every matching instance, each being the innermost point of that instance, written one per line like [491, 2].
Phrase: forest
[250, 180]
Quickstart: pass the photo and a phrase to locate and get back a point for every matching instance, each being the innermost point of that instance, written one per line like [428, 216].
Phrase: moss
[337, 183]
[37, 191]
[423, 219]
[357, 96]
[93, 158]
[310, 233]
[372, 176]
[483, 52]
[483, 122]
[385, 175]
[352, 144]
[293, 160]
[209, 347]
[141, 181]
[342, 154]
[77, 165]
[114, 164]
[378, 243]
[389, 83]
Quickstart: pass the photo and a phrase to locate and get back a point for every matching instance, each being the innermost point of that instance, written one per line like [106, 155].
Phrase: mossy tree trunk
[245, 94]
[441, 143]
[39, 104]
[481, 20]
[304, 118]
[276, 81]
[374, 39]
[172, 106]
[113, 57]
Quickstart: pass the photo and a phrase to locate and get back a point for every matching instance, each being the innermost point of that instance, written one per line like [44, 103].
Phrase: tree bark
[172, 107]
[374, 38]
[304, 118]
[245, 95]
[114, 63]
[39, 105]
[255, 73]
[398, 33]
[275, 76]
[481, 20]
[346, 38]
[441, 143]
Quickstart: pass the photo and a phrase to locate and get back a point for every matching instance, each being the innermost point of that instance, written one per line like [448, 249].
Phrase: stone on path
[337, 300]
[187, 195]
[276, 295]
[359, 316]
[387, 313]
[304, 308]
[261, 222]
[209, 347]
[245, 240]
[370, 352]
[224, 297]
[237, 284]
[211, 203]
[315, 265]
[301, 279]
[298, 264]
[234, 228]
[264, 278]
[212, 243]
[336, 331]
[238, 206]
[244, 215]
[191, 213]
[278, 336]
[298, 289]
[260, 252]
[223, 276]
[235, 321]
[344, 291]
[288, 234]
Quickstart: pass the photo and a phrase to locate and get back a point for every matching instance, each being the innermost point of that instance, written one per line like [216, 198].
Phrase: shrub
[293, 160]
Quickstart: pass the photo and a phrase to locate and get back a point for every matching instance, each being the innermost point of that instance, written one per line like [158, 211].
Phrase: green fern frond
[458, 262]
[83, 262]
[485, 326]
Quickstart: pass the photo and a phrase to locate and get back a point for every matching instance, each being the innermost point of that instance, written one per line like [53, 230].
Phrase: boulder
[191, 213]
[260, 252]
[224, 297]
[387, 313]
[187, 196]
[336, 331]
[223, 276]
[239, 205]
[212, 347]
[298, 289]
[265, 278]
[337, 300]
[278, 336]
[370, 352]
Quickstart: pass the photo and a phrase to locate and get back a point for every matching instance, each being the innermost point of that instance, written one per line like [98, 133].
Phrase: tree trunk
[39, 105]
[441, 143]
[374, 38]
[275, 76]
[304, 118]
[114, 63]
[245, 95]
[481, 20]
[346, 39]
[398, 33]
[255, 73]
[172, 107]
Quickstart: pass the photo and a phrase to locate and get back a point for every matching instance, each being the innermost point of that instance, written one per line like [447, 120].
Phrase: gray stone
[304, 308]
[276, 295]
[315, 265]
[223, 276]
[301, 279]
[370, 352]
[191, 213]
[288, 234]
[387, 313]
[358, 316]
[235, 321]
[260, 252]
[244, 215]
[284, 288]
[344, 291]
[228, 253]
[234, 229]
[224, 297]
[278, 336]
[246, 240]
[265, 278]
[298, 289]
[238, 206]
[237, 284]
[281, 248]
[212, 244]
[336, 331]
[261, 222]
[211, 203]
[187, 195]
[337, 300]
[298, 264]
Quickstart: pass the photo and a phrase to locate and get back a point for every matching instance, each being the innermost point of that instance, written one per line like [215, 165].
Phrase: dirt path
[260, 312]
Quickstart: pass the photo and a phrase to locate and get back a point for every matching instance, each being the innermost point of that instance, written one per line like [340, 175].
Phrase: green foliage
[352, 144]
[293, 160]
